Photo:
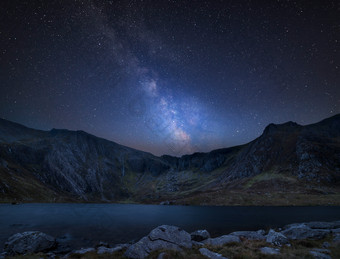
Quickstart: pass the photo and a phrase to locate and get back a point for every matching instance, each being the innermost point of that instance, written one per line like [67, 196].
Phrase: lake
[84, 225]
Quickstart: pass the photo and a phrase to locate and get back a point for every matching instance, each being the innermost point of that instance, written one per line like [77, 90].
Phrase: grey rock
[206, 252]
[302, 231]
[269, 250]
[319, 255]
[323, 225]
[162, 237]
[171, 234]
[222, 240]
[29, 242]
[200, 235]
[107, 250]
[276, 238]
[83, 250]
[251, 235]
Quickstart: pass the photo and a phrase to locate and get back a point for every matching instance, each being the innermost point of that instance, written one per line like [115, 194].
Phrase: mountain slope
[63, 165]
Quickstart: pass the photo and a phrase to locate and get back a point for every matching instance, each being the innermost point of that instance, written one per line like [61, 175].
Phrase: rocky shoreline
[311, 239]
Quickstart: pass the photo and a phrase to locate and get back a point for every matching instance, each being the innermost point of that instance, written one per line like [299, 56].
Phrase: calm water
[85, 224]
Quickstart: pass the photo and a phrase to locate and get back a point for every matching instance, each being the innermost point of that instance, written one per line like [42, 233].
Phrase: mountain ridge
[62, 165]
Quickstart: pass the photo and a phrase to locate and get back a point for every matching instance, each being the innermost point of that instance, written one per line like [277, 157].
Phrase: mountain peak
[287, 126]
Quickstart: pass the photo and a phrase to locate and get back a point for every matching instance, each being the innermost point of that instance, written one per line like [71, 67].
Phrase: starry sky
[169, 77]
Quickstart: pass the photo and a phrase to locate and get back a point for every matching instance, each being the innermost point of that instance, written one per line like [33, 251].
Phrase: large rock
[222, 240]
[162, 237]
[206, 252]
[323, 225]
[251, 235]
[200, 235]
[276, 238]
[302, 231]
[29, 242]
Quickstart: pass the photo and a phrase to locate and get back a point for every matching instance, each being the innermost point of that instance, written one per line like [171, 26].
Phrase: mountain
[286, 164]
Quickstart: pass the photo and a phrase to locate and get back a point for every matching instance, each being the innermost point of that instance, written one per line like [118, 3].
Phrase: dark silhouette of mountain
[63, 165]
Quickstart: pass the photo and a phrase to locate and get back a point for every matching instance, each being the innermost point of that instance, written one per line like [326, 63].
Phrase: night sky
[169, 77]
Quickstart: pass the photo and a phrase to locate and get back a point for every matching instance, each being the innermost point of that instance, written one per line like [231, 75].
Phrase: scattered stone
[107, 250]
[222, 240]
[319, 255]
[206, 252]
[276, 238]
[162, 237]
[29, 242]
[302, 231]
[200, 235]
[326, 245]
[269, 250]
[251, 235]
[84, 250]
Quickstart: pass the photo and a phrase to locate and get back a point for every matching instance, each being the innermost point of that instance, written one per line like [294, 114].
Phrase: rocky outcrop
[302, 231]
[251, 235]
[29, 242]
[200, 235]
[276, 238]
[162, 237]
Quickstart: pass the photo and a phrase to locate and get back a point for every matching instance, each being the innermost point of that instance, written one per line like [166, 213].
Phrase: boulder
[302, 231]
[222, 240]
[29, 242]
[162, 237]
[276, 238]
[200, 235]
[206, 252]
[323, 225]
[251, 235]
[269, 250]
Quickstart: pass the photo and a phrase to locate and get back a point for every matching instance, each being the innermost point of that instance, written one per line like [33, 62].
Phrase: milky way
[169, 77]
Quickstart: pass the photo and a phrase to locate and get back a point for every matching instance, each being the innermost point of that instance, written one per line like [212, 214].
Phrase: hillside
[287, 164]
